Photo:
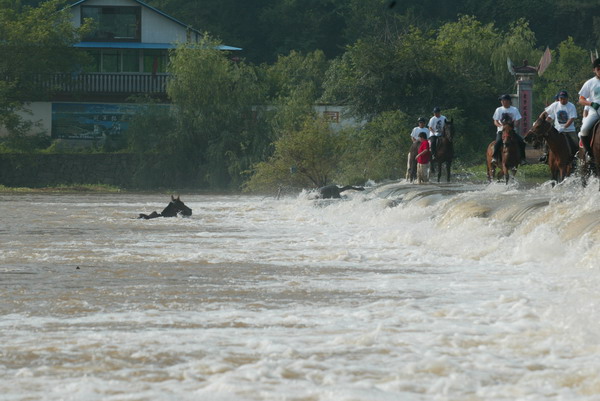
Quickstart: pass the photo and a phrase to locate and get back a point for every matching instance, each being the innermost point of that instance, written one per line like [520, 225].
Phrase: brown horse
[444, 152]
[509, 156]
[562, 148]
[411, 163]
[591, 167]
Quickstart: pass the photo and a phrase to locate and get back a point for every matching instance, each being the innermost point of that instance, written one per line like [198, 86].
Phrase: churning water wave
[401, 292]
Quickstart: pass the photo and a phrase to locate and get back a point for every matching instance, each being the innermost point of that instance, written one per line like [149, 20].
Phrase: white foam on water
[457, 292]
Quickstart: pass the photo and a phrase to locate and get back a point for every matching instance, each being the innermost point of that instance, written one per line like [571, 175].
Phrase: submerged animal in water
[334, 192]
[175, 208]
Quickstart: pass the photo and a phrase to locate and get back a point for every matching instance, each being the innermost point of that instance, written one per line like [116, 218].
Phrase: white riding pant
[588, 122]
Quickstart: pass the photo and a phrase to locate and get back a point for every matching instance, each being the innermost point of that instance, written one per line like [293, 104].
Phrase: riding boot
[523, 155]
[497, 147]
[585, 140]
[433, 147]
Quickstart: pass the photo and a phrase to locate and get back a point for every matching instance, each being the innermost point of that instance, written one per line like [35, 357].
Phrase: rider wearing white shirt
[563, 113]
[508, 114]
[414, 135]
[436, 128]
[589, 95]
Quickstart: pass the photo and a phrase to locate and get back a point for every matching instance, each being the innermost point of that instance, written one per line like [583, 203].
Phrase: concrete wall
[22, 170]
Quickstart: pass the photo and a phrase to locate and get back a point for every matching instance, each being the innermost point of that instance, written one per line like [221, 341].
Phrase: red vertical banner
[525, 109]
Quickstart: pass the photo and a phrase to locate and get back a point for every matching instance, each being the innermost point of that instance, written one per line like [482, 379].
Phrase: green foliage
[215, 113]
[297, 70]
[308, 157]
[569, 69]
[34, 42]
[378, 150]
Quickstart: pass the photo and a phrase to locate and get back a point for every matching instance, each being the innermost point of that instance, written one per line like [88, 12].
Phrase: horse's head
[538, 131]
[176, 207]
[448, 130]
[507, 133]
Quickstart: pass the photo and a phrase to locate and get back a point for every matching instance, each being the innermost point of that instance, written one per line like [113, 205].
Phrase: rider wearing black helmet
[414, 135]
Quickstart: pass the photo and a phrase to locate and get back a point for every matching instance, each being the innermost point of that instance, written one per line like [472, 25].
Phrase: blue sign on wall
[92, 121]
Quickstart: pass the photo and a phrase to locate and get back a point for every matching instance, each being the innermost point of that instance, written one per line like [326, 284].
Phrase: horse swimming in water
[175, 208]
[334, 192]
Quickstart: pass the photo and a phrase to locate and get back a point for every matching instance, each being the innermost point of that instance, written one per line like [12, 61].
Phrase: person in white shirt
[436, 127]
[589, 95]
[414, 135]
[563, 113]
[506, 114]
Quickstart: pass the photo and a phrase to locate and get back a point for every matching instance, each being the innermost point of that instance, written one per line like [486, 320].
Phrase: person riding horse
[507, 114]
[563, 113]
[436, 127]
[589, 95]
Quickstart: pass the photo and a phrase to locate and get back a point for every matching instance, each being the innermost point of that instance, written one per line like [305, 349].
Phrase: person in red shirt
[423, 158]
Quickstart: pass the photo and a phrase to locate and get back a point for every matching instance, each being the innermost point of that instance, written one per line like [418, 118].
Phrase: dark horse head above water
[174, 208]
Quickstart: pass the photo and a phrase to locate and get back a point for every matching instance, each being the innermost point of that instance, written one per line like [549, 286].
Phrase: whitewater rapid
[433, 292]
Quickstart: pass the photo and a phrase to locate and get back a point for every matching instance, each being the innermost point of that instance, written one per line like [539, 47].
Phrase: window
[131, 61]
[155, 61]
[113, 24]
[95, 61]
[110, 61]
[127, 60]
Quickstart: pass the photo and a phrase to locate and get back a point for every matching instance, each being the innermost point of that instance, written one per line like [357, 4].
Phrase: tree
[569, 69]
[378, 150]
[218, 132]
[34, 43]
[307, 157]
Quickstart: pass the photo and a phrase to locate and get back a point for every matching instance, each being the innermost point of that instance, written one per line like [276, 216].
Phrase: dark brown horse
[562, 148]
[509, 156]
[591, 167]
[175, 208]
[334, 192]
[444, 152]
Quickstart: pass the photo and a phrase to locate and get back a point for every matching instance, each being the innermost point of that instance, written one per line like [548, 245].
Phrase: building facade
[128, 53]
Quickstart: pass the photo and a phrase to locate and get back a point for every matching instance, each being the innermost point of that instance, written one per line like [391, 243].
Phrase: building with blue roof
[128, 50]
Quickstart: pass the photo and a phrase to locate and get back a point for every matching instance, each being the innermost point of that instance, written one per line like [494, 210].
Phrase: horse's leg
[448, 166]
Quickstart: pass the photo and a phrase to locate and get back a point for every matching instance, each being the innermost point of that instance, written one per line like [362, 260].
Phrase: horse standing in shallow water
[444, 152]
[411, 163]
[561, 153]
[174, 208]
[509, 155]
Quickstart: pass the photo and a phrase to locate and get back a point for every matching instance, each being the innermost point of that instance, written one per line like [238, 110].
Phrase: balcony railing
[122, 83]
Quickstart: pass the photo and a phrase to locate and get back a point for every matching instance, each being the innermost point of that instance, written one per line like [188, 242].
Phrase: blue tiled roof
[137, 45]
